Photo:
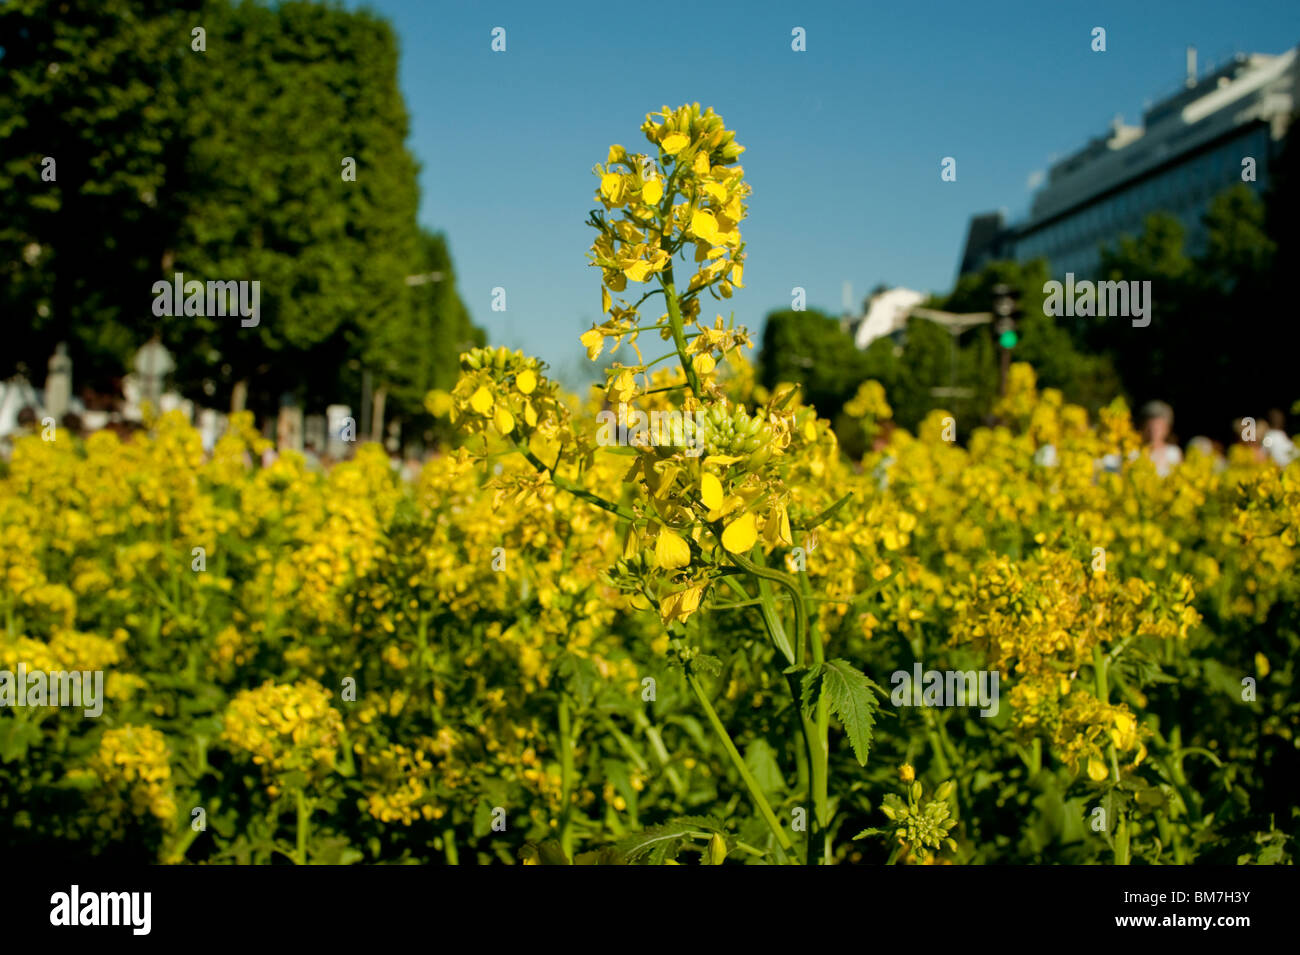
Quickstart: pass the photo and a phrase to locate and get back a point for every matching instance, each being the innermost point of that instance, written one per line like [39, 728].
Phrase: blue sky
[844, 141]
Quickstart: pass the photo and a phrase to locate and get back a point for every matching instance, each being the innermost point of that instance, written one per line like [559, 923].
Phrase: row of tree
[216, 139]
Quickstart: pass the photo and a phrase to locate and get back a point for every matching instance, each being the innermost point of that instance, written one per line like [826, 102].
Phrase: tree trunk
[377, 415]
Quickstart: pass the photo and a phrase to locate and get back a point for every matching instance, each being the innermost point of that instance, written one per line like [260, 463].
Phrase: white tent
[887, 312]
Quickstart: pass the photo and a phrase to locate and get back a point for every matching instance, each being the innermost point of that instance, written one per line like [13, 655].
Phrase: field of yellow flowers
[577, 641]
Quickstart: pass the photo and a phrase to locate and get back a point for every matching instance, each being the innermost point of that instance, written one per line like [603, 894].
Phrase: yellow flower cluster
[285, 728]
[133, 775]
[404, 795]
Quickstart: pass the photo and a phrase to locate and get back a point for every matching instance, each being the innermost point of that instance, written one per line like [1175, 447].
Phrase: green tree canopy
[224, 164]
[91, 145]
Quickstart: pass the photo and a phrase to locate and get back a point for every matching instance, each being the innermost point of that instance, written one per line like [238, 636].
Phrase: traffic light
[1006, 308]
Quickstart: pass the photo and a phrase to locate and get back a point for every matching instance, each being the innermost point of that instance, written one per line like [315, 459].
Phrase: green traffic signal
[1008, 338]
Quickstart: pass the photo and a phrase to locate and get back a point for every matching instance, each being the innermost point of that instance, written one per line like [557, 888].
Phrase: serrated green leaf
[657, 843]
[707, 663]
[851, 697]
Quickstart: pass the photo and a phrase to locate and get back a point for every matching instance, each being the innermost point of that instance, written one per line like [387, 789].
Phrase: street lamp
[424, 278]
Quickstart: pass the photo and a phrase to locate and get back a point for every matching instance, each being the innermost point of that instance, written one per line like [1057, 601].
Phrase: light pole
[955, 324]
[1004, 307]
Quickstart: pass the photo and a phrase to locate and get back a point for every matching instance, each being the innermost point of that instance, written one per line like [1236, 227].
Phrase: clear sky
[844, 141]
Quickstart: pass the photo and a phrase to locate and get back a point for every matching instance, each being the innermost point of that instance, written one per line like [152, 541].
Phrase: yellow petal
[701, 164]
[652, 192]
[1261, 665]
[682, 604]
[740, 534]
[611, 186]
[674, 143]
[605, 302]
[593, 340]
[671, 552]
[438, 403]
[1096, 769]
[638, 270]
[526, 381]
[504, 421]
[530, 414]
[704, 225]
[481, 401]
[711, 491]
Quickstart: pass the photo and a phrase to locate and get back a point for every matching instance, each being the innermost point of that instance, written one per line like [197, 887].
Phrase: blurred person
[411, 469]
[1276, 443]
[1245, 440]
[1157, 429]
[73, 425]
[1210, 448]
[312, 457]
[880, 445]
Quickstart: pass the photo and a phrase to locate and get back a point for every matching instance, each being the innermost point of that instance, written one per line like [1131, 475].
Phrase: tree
[91, 85]
[1044, 341]
[284, 99]
[225, 164]
[1213, 349]
[810, 348]
[411, 359]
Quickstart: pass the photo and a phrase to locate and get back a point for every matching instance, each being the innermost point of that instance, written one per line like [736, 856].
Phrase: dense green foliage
[222, 163]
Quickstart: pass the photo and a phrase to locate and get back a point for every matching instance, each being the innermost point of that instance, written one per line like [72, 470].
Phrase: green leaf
[659, 843]
[15, 736]
[761, 760]
[852, 698]
[544, 853]
[605, 856]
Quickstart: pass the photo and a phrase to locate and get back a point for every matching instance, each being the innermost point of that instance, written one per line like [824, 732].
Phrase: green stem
[781, 579]
[1100, 667]
[304, 823]
[675, 323]
[660, 751]
[819, 745]
[755, 791]
[566, 777]
[564, 484]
